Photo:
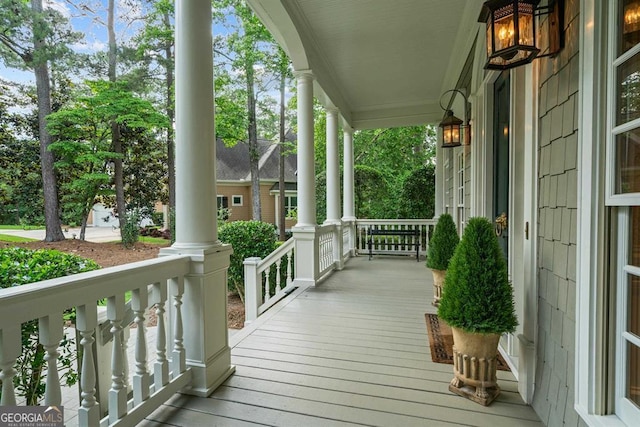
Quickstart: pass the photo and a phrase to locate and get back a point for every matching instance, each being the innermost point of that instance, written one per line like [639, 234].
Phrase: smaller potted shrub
[477, 303]
[441, 247]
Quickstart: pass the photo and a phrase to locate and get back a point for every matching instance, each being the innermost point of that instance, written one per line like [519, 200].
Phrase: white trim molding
[591, 352]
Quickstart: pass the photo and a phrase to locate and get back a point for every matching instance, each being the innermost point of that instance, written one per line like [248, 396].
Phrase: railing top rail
[26, 302]
[278, 253]
[395, 221]
[326, 228]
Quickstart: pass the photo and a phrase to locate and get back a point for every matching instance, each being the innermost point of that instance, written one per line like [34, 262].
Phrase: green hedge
[248, 239]
[20, 266]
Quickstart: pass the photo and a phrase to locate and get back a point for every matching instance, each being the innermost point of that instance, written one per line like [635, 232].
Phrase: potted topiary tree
[441, 247]
[477, 303]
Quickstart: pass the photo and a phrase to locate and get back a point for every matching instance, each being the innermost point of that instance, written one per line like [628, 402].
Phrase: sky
[83, 19]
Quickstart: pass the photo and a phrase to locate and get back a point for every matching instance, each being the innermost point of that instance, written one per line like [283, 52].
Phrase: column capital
[347, 129]
[303, 74]
[331, 110]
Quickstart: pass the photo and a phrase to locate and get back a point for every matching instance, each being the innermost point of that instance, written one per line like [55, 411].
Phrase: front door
[501, 185]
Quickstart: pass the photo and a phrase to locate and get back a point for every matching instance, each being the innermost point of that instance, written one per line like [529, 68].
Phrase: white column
[304, 232]
[349, 210]
[204, 308]
[439, 207]
[348, 191]
[306, 165]
[333, 168]
[195, 131]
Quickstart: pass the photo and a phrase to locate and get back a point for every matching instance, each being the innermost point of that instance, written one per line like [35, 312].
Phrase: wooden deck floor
[352, 351]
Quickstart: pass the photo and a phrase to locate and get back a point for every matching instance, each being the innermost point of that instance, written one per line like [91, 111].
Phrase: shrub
[248, 239]
[21, 266]
[477, 296]
[130, 232]
[443, 243]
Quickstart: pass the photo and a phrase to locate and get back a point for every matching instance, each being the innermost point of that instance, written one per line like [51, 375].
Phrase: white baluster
[124, 339]
[278, 263]
[141, 377]
[264, 280]
[86, 322]
[161, 366]
[290, 267]
[10, 349]
[178, 359]
[118, 391]
[50, 334]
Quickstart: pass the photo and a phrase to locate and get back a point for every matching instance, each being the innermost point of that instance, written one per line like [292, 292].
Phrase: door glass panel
[628, 90]
[501, 185]
[629, 19]
[627, 173]
[633, 374]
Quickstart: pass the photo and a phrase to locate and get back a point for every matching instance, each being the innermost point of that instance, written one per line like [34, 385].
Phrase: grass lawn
[15, 239]
[21, 227]
[154, 240]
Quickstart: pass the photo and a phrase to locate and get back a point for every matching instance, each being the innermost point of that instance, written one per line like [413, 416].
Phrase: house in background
[234, 181]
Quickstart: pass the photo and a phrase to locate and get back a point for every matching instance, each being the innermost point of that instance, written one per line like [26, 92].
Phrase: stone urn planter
[474, 366]
[438, 283]
[441, 247]
[477, 302]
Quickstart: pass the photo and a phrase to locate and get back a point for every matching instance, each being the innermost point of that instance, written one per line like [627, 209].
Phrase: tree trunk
[121, 209]
[254, 155]
[83, 227]
[170, 115]
[282, 212]
[49, 178]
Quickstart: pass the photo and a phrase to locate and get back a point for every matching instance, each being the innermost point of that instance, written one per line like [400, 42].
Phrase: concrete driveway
[93, 234]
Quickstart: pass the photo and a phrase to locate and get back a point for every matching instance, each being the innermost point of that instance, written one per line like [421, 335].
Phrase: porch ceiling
[382, 63]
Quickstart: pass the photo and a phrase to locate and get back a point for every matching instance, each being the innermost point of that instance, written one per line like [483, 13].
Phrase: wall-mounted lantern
[455, 132]
[511, 31]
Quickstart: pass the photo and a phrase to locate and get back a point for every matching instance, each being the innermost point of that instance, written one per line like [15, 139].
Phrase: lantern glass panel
[525, 24]
[504, 28]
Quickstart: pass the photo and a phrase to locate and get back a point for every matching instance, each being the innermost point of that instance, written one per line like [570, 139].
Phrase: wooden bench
[415, 233]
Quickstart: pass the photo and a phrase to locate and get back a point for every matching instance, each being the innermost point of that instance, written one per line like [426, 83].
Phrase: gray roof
[233, 162]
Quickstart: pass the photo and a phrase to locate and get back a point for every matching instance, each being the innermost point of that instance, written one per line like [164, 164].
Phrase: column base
[207, 378]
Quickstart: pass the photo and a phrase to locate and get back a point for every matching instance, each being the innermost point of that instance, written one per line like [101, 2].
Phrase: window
[223, 202]
[623, 195]
[236, 200]
[291, 206]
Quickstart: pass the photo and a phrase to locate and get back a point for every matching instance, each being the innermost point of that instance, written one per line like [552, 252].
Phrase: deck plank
[352, 351]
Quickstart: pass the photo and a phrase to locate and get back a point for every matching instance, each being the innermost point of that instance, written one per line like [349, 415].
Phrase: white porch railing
[267, 281]
[388, 245]
[150, 283]
[326, 239]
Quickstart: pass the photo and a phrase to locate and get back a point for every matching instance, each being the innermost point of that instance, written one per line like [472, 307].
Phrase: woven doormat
[441, 342]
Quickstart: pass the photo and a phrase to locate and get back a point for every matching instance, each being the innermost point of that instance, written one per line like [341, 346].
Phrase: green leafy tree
[21, 199]
[85, 131]
[30, 37]
[245, 48]
[156, 48]
[417, 199]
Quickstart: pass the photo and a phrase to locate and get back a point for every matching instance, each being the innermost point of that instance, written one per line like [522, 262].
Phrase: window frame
[233, 200]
